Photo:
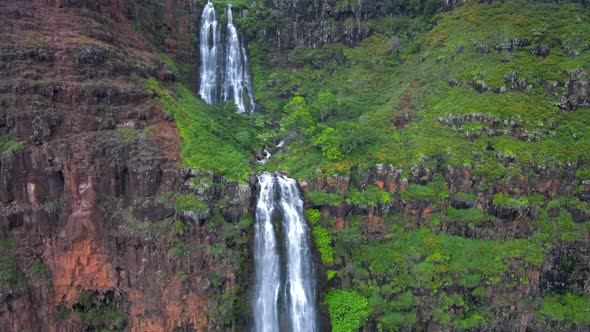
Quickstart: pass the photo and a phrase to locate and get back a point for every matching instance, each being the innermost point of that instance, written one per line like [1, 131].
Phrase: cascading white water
[209, 42]
[225, 75]
[295, 289]
[299, 279]
[266, 257]
[237, 83]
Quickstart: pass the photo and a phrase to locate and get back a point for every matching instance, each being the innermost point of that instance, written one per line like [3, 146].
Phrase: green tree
[356, 137]
[298, 117]
[324, 105]
[329, 141]
[348, 310]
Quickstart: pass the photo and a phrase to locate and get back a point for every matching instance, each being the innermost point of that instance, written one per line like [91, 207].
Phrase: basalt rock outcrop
[91, 236]
[564, 269]
[317, 23]
[101, 228]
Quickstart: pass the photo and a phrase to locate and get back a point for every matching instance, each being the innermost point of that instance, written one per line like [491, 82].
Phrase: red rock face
[95, 144]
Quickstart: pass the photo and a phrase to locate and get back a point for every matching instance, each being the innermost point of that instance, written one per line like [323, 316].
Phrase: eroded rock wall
[85, 197]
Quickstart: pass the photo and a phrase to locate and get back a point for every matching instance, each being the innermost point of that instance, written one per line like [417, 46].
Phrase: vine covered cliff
[442, 148]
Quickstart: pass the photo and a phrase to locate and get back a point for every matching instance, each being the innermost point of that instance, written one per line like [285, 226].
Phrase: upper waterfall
[209, 45]
[224, 71]
[237, 84]
[284, 273]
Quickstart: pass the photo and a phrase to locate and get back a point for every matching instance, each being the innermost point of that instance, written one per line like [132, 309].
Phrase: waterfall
[267, 260]
[237, 83]
[209, 46]
[294, 290]
[225, 75]
[299, 273]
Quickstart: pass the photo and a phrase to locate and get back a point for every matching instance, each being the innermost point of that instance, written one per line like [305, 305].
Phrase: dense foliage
[477, 88]
[347, 309]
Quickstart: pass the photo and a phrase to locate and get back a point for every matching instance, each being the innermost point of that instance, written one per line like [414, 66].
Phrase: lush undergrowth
[209, 142]
[416, 274]
[386, 101]
[477, 87]
[396, 98]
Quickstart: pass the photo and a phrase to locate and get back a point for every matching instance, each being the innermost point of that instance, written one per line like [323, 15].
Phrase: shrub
[9, 145]
[60, 314]
[246, 221]
[51, 206]
[180, 250]
[188, 202]
[11, 276]
[436, 190]
[348, 310]
[41, 272]
[329, 142]
[370, 196]
[567, 307]
[324, 243]
[318, 198]
[467, 215]
[180, 227]
[500, 199]
[312, 215]
[330, 274]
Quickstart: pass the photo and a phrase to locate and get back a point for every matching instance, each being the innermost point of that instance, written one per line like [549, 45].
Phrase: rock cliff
[92, 236]
[104, 227]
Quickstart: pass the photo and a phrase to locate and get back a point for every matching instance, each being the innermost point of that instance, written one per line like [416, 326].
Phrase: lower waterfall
[283, 298]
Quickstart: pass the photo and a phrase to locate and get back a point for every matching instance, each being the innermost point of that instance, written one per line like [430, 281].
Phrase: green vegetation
[180, 249]
[60, 314]
[412, 95]
[358, 106]
[472, 215]
[187, 202]
[348, 310]
[370, 196]
[208, 143]
[9, 145]
[500, 199]
[164, 233]
[11, 277]
[318, 198]
[246, 221]
[123, 135]
[108, 319]
[324, 243]
[574, 309]
[97, 315]
[330, 274]
[51, 206]
[312, 215]
[41, 272]
[457, 274]
[231, 249]
[434, 191]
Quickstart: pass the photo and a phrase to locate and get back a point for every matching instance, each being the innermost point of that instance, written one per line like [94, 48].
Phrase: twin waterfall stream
[283, 293]
[224, 68]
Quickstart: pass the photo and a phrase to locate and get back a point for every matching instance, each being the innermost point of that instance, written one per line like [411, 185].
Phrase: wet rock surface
[86, 199]
[577, 94]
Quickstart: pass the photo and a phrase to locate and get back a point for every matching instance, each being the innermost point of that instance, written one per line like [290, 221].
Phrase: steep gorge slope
[478, 205]
[461, 200]
[90, 177]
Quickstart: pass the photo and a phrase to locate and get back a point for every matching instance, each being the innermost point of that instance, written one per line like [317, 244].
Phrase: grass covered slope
[482, 88]
[214, 138]
[396, 97]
